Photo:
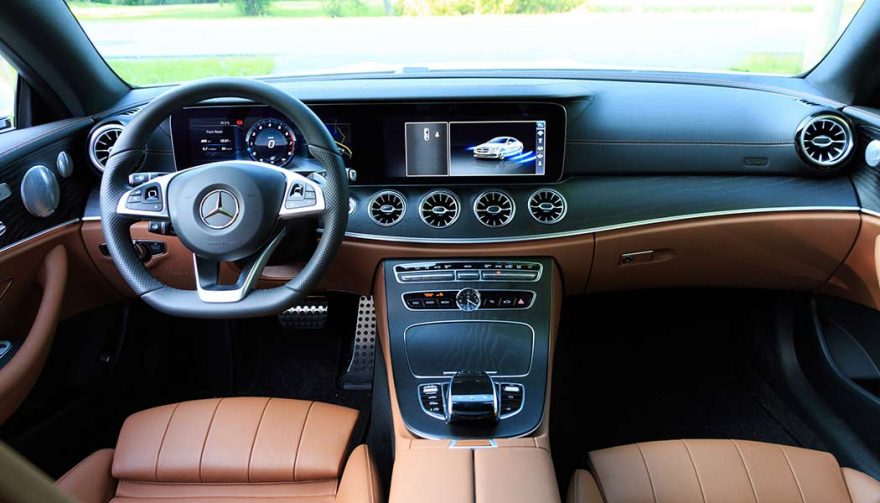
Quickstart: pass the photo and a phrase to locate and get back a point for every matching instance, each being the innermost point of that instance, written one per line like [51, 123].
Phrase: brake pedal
[311, 314]
[359, 375]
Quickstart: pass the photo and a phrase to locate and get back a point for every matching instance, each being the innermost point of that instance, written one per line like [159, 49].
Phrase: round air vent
[494, 208]
[101, 143]
[825, 140]
[547, 206]
[387, 207]
[439, 209]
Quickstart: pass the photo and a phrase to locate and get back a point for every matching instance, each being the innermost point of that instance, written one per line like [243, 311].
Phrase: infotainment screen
[475, 148]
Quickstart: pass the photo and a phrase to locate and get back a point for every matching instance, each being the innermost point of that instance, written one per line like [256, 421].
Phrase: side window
[8, 83]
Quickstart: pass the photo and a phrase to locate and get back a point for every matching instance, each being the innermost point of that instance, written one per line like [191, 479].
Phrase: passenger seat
[708, 471]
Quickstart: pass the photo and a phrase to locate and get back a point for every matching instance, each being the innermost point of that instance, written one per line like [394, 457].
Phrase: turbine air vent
[494, 209]
[547, 206]
[101, 142]
[439, 209]
[387, 207]
[825, 140]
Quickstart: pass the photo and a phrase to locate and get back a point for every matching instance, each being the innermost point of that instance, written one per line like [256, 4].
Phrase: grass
[776, 63]
[8, 82]
[151, 71]
[87, 11]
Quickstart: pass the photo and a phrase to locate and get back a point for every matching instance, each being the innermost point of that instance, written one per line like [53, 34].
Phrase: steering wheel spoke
[207, 272]
[148, 201]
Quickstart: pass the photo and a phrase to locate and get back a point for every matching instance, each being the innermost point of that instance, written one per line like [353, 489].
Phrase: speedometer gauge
[271, 141]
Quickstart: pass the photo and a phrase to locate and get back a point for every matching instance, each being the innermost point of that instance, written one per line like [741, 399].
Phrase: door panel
[45, 272]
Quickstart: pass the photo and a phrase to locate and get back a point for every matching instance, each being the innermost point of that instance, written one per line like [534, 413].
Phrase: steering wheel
[224, 211]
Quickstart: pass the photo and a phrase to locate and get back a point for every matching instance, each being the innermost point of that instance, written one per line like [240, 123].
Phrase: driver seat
[230, 449]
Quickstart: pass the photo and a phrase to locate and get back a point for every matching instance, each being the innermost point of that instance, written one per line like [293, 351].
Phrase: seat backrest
[235, 440]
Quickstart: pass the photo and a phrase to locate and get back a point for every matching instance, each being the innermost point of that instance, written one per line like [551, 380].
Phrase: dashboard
[461, 161]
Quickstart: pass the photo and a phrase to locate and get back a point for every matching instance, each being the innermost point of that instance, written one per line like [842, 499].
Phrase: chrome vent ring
[101, 143]
[439, 209]
[825, 140]
[547, 206]
[387, 208]
[494, 208]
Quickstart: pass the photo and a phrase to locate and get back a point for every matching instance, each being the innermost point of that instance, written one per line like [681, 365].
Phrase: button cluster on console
[426, 272]
[489, 299]
[511, 397]
[431, 398]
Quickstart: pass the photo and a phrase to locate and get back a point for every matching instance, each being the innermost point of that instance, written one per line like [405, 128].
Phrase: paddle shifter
[472, 397]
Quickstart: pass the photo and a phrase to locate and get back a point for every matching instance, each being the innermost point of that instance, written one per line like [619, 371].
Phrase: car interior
[476, 286]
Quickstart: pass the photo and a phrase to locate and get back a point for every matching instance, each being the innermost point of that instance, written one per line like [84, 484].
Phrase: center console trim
[449, 374]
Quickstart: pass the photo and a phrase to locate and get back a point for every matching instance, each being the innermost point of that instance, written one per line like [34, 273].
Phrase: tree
[253, 7]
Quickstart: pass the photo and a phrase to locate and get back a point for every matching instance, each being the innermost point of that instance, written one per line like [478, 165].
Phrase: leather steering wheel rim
[130, 148]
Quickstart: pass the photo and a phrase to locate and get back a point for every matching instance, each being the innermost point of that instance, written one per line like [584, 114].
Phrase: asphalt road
[683, 41]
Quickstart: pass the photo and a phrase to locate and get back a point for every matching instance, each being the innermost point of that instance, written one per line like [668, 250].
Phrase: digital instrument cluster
[259, 133]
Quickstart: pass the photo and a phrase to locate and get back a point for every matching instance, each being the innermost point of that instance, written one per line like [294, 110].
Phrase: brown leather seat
[706, 471]
[230, 449]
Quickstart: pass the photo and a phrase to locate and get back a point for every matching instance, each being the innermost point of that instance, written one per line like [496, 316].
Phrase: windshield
[163, 41]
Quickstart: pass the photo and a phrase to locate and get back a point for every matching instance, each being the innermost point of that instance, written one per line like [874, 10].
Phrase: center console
[470, 345]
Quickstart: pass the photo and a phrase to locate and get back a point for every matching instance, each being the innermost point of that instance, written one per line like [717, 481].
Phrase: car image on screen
[498, 148]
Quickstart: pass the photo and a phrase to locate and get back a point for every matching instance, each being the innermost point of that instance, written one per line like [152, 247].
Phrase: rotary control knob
[468, 299]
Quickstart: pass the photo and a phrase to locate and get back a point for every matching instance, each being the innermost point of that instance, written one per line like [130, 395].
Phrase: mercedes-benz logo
[219, 209]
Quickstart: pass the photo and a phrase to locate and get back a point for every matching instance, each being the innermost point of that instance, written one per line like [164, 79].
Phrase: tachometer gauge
[271, 141]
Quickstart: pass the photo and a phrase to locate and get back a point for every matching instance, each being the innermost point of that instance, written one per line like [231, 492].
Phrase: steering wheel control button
[146, 198]
[219, 209]
[468, 299]
[301, 195]
[141, 178]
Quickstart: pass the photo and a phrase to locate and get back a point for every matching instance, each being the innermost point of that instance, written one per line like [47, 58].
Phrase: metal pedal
[359, 375]
[311, 314]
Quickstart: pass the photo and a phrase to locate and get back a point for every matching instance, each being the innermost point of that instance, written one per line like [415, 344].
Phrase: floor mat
[653, 366]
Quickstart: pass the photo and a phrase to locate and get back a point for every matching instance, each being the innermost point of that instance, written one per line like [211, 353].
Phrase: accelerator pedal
[311, 314]
[359, 375]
